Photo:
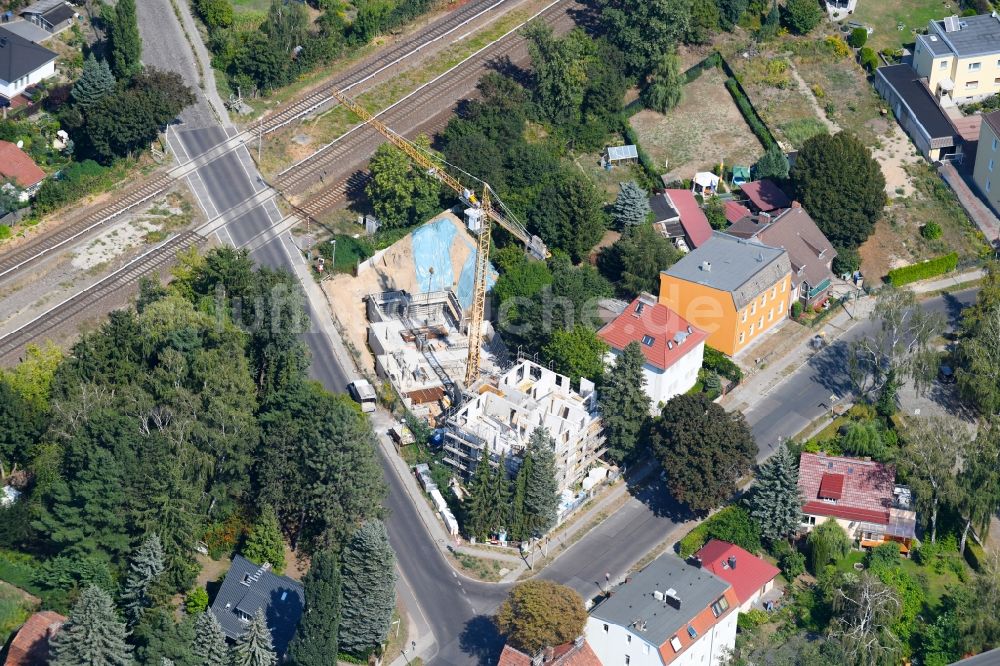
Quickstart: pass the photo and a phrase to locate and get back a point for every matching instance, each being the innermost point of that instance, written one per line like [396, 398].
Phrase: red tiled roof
[831, 486]
[765, 195]
[16, 165]
[652, 322]
[566, 654]
[735, 211]
[696, 226]
[866, 491]
[31, 645]
[751, 572]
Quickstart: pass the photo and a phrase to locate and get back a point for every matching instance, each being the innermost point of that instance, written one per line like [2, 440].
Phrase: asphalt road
[806, 395]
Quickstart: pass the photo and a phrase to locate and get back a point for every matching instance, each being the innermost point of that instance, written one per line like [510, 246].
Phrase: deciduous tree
[704, 450]
[935, 447]
[624, 403]
[827, 543]
[866, 610]
[840, 185]
[644, 30]
[577, 352]
[775, 502]
[570, 215]
[539, 614]
[801, 16]
[315, 641]
[665, 87]
[369, 589]
[93, 635]
[634, 262]
[400, 191]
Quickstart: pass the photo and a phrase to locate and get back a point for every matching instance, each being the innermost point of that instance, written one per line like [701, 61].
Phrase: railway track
[130, 198]
[365, 71]
[13, 343]
[333, 164]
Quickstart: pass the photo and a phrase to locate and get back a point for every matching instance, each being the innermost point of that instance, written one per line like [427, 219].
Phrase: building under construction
[420, 346]
[499, 421]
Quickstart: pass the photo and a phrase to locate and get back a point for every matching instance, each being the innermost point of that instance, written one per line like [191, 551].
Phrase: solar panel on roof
[951, 24]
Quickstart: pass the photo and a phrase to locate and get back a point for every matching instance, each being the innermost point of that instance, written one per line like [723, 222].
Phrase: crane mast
[484, 212]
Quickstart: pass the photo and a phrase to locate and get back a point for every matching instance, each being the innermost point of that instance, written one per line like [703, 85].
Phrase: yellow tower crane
[479, 218]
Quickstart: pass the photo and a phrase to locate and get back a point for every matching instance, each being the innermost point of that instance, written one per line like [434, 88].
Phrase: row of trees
[526, 506]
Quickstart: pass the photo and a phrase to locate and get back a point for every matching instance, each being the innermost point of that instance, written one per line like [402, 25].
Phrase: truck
[363, 393]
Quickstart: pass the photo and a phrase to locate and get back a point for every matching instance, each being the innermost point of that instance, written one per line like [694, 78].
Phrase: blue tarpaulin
[432, 246]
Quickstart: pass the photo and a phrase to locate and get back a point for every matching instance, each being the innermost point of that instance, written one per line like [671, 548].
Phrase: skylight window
[675, 643]
[692, 632]
[648, 340]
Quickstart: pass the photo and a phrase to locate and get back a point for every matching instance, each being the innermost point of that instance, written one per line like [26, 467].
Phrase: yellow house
[734, 289]
[960, 57]
[986, 173]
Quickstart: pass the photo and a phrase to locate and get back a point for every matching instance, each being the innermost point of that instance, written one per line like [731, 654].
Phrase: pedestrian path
[973, 205]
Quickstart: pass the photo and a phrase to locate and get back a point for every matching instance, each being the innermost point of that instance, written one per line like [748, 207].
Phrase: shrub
[839, 46]
[858, 38]
[926, 269]
[196, 601]
[692, 542]
[868, 59]
[722, 364]
[882, 557]
[792, 564]
[4, 232]
[931, 231]
[796, 309]
[751, 620]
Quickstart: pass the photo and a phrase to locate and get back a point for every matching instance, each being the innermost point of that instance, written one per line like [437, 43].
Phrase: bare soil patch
[704, 129]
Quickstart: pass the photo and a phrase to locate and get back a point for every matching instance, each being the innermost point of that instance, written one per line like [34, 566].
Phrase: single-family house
[734, 289]
[50, 15]
[917, 112]
[959, 57]
[17, 167]
[764, 196]
[809, 251]
[673, 348]
[861, 495]
[22, 64]
[30, 646]
[677, 215]
[577, 653]
[670, 612]
[750, 576]
[988, 159]
[249, 587]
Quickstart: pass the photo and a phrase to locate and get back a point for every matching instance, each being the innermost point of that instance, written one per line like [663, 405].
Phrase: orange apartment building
[734, 289]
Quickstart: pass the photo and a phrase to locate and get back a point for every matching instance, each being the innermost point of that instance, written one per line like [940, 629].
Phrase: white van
[363, 393]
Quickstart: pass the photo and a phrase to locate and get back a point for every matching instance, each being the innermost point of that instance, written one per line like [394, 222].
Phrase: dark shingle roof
[58, 14]
[19, 57]
[662, 210]
[906, 82]
[248, 587]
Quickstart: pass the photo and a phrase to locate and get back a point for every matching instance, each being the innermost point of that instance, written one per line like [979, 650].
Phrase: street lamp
[413, 647]
[333, 259]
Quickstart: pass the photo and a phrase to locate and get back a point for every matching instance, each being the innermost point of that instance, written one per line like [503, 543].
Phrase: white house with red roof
[861, 495]
[750, 576]
[672, 346]
[17, 167]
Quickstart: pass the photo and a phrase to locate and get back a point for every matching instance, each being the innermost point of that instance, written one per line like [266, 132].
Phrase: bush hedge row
[722, 364]
[926, 269]
[750, 113]
[714, 60]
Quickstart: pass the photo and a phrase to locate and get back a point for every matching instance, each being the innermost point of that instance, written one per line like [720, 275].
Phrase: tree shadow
[481, 640]
[505, 66]
[953, 309]
[657, 498]
[830, 369]
[589, 19]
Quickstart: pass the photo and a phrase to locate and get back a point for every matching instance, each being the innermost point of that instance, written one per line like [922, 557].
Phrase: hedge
[714, 60]
[750, 114]
[644, 159]
[927, 269]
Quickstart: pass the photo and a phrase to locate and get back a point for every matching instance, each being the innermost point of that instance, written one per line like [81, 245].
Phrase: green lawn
[885, 15]
[933, 578]
[243, 6]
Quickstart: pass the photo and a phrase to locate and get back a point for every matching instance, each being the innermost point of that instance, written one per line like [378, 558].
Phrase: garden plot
[704, 129]
[775, 94]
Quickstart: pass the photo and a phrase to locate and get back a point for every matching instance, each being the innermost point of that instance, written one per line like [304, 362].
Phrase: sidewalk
[929, 286]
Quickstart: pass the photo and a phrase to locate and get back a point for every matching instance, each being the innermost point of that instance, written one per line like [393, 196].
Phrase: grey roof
[248, 587]
[921, 103]
[42, 6]
[976, 35]
[28, 30]
[809, 251]
[19, 57]
[662, 210]
[57, 15]
[697, 589]
[742, 267]
[936, 46]
[629, 152]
